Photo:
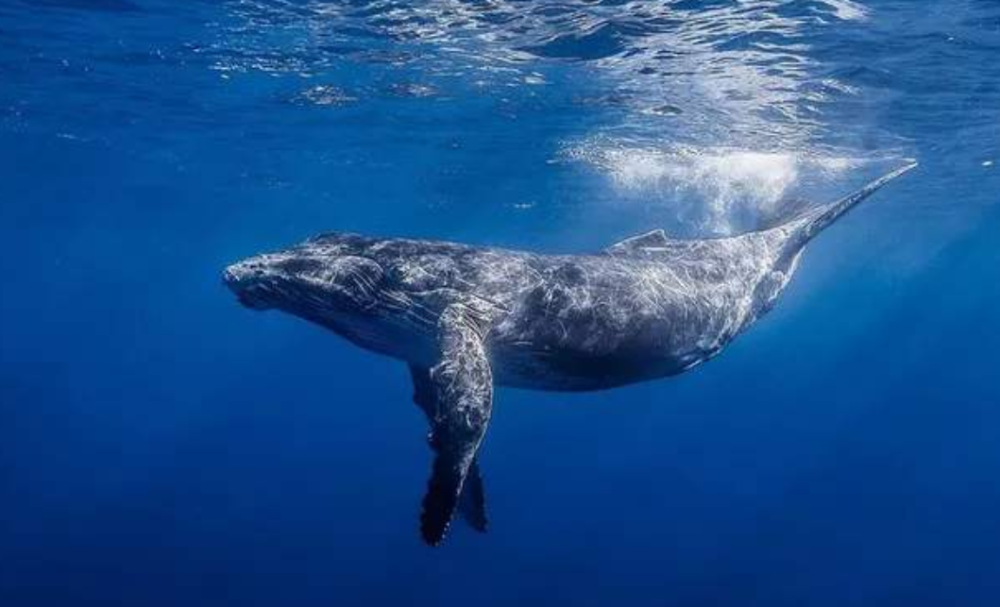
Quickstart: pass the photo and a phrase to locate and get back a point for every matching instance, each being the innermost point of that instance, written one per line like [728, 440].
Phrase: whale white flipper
[472, 503]
[460, 401]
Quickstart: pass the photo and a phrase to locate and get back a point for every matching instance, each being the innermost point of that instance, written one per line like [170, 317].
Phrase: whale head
[320, 281]
[346, 283]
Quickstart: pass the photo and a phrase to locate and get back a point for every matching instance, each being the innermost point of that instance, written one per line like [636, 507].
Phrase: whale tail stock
[813, 221]
[823, 217]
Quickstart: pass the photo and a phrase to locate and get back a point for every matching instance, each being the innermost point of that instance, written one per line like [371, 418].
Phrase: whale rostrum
[466, 318]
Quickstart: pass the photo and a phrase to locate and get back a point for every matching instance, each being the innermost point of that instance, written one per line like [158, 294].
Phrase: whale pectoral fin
[472, 502]
[651, 239]
[457, 395]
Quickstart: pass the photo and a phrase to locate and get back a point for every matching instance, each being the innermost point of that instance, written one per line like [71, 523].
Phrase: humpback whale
[467, 318]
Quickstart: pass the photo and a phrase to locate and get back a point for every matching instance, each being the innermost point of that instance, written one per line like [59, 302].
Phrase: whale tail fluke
[814, 221]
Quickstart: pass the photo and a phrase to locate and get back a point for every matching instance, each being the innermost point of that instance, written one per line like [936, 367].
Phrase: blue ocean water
[161, 445]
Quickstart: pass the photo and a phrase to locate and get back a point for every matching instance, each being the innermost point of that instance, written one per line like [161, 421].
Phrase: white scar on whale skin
[467, 318]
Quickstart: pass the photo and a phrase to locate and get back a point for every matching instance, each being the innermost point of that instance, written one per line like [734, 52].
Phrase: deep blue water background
[160, 445]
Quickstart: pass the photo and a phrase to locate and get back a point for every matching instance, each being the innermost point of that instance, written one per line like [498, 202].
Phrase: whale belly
[572, 370]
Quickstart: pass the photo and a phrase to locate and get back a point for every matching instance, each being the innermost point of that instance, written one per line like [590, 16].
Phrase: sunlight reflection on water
[717, 103]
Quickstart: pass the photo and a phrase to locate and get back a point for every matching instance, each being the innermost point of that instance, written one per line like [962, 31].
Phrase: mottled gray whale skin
[466, 318]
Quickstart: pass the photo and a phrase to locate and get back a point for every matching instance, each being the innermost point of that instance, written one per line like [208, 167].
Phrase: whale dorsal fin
[457, 396]
[648, 240]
